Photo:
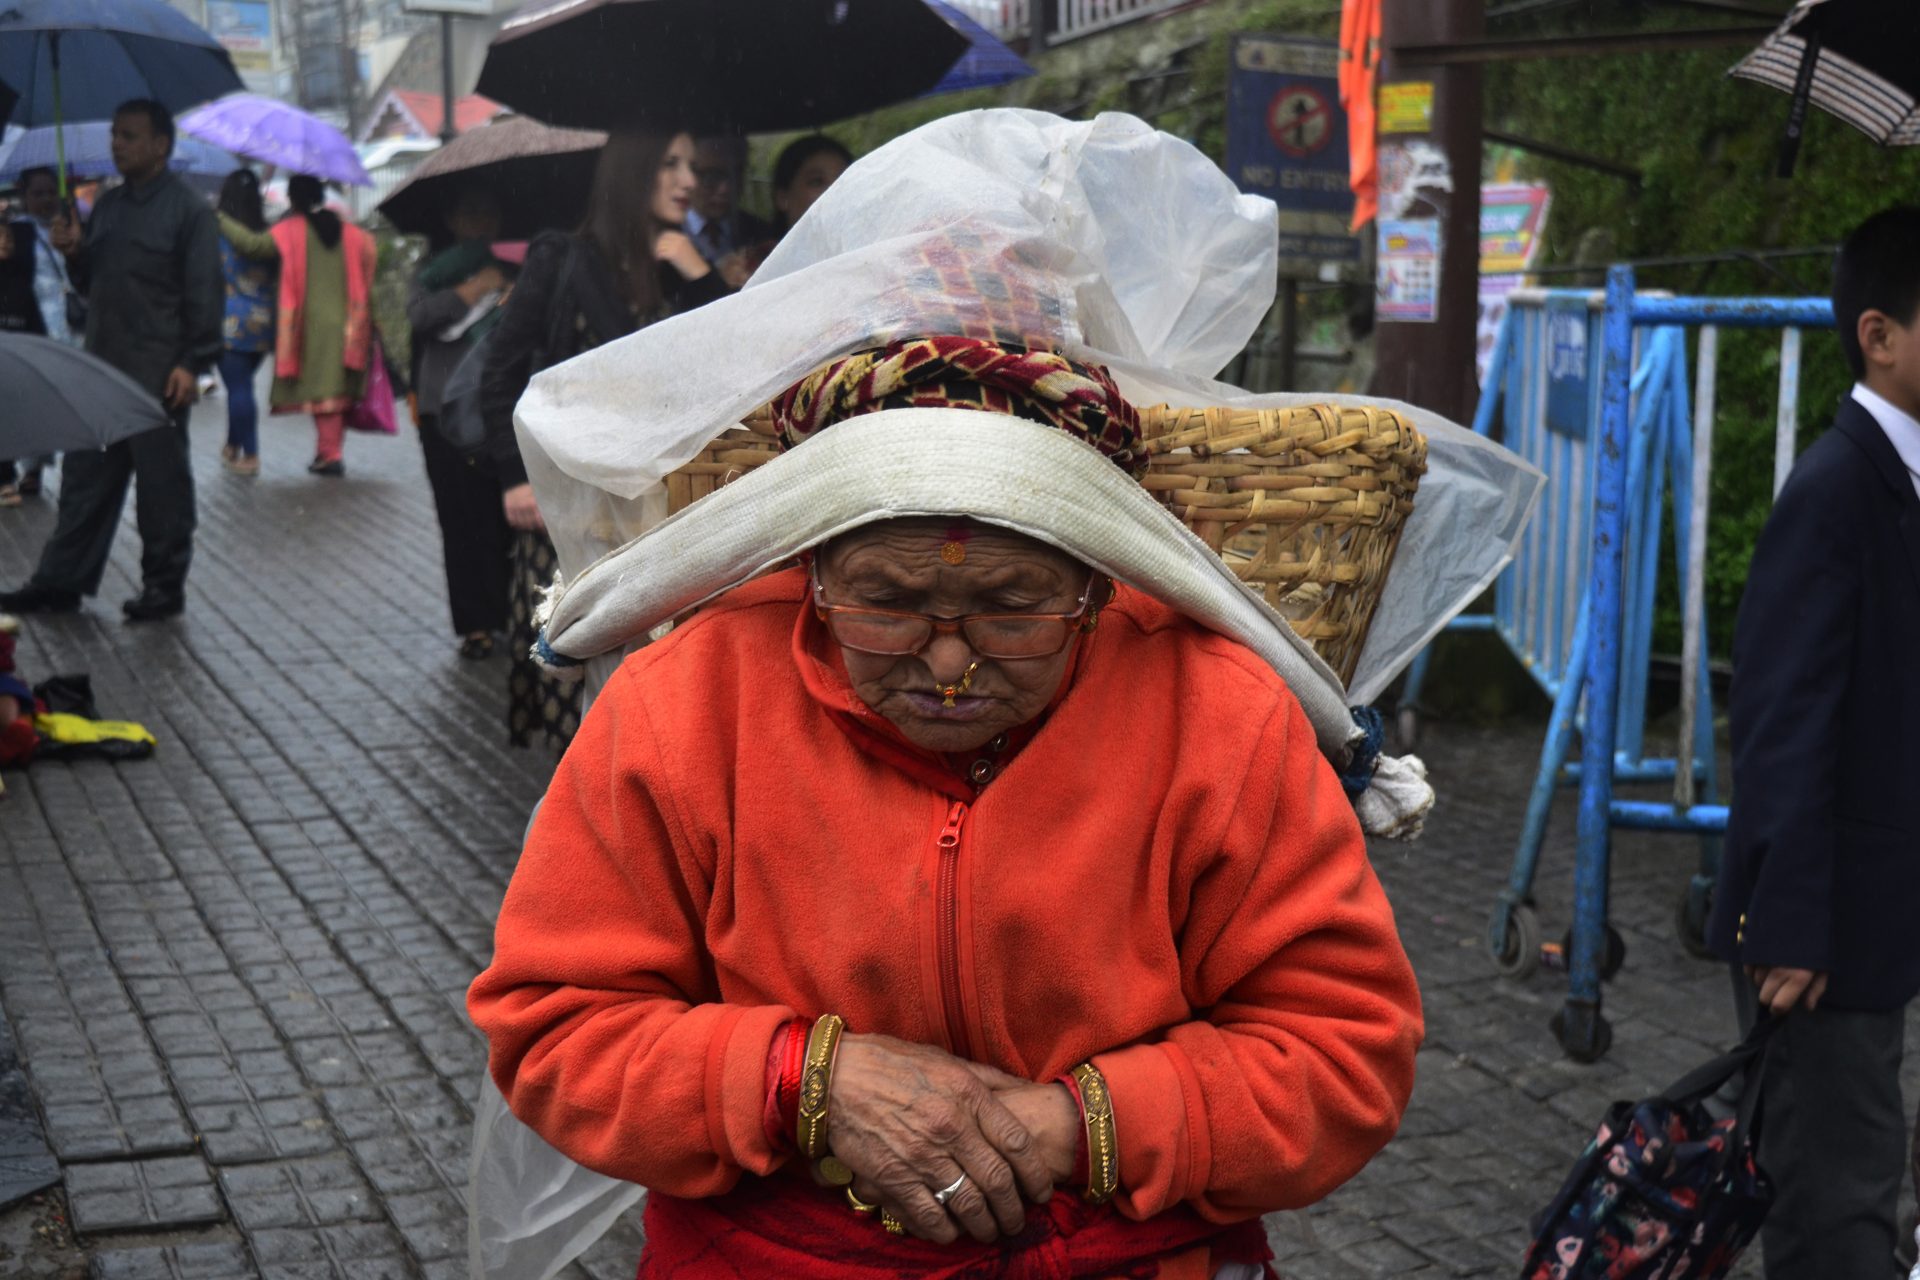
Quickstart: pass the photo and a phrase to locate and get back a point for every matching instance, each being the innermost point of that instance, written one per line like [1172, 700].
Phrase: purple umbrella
[277, 134]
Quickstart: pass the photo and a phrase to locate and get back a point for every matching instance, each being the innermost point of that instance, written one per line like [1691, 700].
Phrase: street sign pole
[1429, 239]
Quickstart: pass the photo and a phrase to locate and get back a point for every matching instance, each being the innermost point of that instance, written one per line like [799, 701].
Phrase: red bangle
[1080, 1167]
[785, 1059]
[793, 1066]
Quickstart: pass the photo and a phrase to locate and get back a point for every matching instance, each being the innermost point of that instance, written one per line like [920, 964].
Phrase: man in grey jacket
[149, 263]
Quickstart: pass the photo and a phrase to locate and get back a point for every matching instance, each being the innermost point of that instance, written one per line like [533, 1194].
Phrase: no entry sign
[1300, 120]
[1287, 140]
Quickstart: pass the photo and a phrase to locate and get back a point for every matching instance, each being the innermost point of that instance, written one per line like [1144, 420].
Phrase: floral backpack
[1664, 1191]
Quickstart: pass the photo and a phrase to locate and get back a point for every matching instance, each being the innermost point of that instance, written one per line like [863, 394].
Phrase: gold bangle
[1103, 1141]
[816, 1078]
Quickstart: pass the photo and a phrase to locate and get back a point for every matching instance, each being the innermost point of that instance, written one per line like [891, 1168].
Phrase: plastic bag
[1106, 240]
[374, 411]
[530, 1209]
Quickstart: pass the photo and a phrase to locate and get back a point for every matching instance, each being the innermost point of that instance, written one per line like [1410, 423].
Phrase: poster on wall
[244, 29]
[1513, 221]
[1407, 278]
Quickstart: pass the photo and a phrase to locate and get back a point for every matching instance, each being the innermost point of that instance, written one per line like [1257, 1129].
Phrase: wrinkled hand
[908, 1119]
[678, 250]
[1049, 1113]
[182, 389]
[522, 511]
[1783, 989]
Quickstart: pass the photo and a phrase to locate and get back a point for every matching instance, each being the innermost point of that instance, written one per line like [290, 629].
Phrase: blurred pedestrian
[323, 339]
[459, 287]
[630, 263]
[36, 296]
[1820, 876]
[148, 263]
[248, 328]
[728, 237]
[804, 170]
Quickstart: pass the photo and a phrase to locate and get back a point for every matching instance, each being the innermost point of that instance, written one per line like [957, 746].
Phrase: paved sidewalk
[236, 971]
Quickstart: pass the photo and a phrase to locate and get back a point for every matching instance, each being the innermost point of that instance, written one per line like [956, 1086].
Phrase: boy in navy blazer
[1820, 883]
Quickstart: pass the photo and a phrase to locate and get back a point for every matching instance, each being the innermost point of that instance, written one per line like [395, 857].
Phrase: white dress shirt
[1901, 428]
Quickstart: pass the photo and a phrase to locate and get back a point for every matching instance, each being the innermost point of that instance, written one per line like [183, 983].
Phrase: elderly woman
[941, 906]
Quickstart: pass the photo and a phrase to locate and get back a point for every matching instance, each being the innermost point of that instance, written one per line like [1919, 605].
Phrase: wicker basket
[1306, 504]
[735, 453]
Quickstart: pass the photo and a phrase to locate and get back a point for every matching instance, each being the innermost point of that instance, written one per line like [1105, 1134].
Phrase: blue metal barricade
[1599, 399]
[1610, 650]
[1545, 387]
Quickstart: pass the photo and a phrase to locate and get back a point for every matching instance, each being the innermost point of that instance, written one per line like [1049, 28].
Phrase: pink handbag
[375, 411]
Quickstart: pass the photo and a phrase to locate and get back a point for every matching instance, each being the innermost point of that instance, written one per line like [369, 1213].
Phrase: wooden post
[1430, 363]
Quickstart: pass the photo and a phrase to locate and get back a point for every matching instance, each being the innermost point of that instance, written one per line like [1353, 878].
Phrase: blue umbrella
[89, 152]
[79, 59]
[987, 61]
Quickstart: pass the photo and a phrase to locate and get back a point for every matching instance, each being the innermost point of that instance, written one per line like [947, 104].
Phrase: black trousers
[93, 488]
[1833, 1137]
[473, 533]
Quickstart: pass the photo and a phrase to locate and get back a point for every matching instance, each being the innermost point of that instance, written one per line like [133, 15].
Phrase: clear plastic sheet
[530, 1209]
[1105, 239]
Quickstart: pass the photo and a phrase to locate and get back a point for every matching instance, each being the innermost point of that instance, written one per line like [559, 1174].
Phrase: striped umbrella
[1855, 59]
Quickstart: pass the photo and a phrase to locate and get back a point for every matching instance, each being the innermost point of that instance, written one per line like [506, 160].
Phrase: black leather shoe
[34, 598]
[154, 605]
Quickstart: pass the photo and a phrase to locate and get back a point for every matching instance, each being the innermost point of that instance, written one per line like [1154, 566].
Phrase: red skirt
[783, 1227]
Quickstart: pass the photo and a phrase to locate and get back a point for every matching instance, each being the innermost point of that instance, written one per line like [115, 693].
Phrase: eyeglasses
[1004, 636]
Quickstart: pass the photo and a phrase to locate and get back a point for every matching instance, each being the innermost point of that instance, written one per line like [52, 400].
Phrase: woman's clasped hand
[910, 1119]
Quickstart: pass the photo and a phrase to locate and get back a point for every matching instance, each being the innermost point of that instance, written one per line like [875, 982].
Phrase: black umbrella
[539, 176]
[61, 399]
[749, 66]
[1856, 59]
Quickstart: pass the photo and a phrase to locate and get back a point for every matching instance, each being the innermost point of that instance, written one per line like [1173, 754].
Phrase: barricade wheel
[1611, 961]
[1690, 921]
[1586, 1038]
[1519, 958]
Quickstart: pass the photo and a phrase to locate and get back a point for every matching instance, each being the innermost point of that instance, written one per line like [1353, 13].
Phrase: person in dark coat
[448, 299]
[628, 265]
[149, 265]
[1821, 875]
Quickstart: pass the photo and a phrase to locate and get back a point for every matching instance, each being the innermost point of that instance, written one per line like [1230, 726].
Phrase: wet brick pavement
[236, 971]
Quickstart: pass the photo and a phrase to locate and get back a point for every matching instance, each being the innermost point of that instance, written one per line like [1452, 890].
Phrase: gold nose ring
[952, 691]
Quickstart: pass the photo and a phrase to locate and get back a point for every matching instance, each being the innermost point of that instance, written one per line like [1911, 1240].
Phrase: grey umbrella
[59, 399]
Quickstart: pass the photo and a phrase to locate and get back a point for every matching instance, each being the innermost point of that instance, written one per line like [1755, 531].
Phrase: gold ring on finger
[859, 1205]
[892, 1223]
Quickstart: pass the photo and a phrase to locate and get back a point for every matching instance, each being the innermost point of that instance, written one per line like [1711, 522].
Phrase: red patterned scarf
[967, 373]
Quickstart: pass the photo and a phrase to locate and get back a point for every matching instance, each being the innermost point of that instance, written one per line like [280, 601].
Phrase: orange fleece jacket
[1167, 879]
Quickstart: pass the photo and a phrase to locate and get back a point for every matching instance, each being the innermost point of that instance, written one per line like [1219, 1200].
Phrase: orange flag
[1359, 72]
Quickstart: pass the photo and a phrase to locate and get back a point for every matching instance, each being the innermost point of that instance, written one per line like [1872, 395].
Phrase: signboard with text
[1287, 141]
[244, 29]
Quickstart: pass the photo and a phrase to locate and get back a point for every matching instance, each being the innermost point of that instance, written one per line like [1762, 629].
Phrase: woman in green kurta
[322, 325]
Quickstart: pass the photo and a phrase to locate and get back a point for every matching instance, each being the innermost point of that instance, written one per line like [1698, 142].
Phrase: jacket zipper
[949, 930]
